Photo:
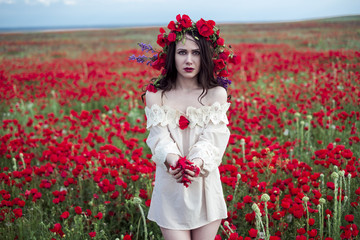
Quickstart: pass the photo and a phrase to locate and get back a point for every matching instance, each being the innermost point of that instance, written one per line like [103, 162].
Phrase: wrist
[171, 159]
[198, 162]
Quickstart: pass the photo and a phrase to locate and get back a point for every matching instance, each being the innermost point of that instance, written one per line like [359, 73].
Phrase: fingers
[185, 171]
[190, 173]
[176, 173]
[190, 178]
[179, 175]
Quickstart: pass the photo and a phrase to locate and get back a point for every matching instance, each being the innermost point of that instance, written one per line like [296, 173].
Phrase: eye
[182, 52]
[196, 53]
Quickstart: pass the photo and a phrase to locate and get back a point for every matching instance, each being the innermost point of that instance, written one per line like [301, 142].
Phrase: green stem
[144, 220]
[223, 229]
[339, 206]
[267, 237]
[335, 230]
[321, 220]
[307, 220]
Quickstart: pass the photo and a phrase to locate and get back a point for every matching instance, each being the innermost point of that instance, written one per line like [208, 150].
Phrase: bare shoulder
[216, 94]
[153, 98]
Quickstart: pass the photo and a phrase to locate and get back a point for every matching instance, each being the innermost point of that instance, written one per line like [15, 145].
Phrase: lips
[188, 69]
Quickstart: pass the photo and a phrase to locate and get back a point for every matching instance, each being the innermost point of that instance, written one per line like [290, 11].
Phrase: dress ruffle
[165, 115]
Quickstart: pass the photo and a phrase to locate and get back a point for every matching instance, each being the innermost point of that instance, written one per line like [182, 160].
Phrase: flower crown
[178, 29]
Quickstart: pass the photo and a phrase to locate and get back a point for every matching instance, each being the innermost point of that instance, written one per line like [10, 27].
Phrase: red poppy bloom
[205, 28]
[18, 212]
[99, 215]
[183, 122]
[253, 232]
[312, 232]
[151, 88]
[184, 20]
[65, 215]
[78, 210]
[172, 37]
[349, 218]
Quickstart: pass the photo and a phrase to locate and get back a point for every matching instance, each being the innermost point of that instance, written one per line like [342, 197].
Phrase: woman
[186, 116]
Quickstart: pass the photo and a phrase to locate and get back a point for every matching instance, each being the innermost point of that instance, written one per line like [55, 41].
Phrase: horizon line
[61, 28]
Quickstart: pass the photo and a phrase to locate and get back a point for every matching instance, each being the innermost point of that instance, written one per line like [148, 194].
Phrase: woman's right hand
[171, 161]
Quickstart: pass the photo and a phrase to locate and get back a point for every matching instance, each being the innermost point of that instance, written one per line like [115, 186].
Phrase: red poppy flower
[235, 59]
[253, 233]
[160, 62]
[18, 212]
[78, 210]
[220, 41]
[57, 229]
[174, 26]
[151, 88]
[349, 218]
[183, 122]
[184, 21]
[65, 215]
[223, 73]
[301, 231]
[205, 28]
[161, 40]
[99, 215]
[311, 221]
[312, 232]
[127, 237]
[247, 199]
[218, 64]
[172, 37]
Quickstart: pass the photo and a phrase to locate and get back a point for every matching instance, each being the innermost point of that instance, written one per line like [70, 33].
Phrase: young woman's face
[187, 58]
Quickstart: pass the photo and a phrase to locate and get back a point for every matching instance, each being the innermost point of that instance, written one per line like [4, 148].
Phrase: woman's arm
[208, 151]
[165, 151]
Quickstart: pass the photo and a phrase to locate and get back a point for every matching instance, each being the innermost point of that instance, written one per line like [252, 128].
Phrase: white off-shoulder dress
[173, 206]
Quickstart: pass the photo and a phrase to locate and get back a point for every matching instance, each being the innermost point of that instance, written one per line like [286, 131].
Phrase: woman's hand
[171, 161]
[183, 170]
[192, 174]
[177, 174]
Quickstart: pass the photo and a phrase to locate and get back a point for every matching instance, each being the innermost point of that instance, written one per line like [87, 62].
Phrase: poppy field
[73, 158]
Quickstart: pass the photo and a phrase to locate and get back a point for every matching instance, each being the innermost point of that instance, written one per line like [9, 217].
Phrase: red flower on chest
[183, 122]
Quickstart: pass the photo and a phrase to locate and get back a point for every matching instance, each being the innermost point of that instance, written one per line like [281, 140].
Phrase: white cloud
[69, 2]
[49, 2]
[7, 1]
[45, 2]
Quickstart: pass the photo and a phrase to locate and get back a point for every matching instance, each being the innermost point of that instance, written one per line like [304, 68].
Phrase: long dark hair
[206, 78]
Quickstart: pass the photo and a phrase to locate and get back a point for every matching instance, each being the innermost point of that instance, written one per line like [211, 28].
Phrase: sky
[72, 13]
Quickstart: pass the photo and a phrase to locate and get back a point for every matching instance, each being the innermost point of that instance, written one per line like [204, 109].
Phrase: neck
[186, 84]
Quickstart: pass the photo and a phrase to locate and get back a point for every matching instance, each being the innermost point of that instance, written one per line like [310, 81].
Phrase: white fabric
[174, 206]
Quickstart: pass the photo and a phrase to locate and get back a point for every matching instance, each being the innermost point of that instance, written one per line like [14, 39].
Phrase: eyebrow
[197, 49]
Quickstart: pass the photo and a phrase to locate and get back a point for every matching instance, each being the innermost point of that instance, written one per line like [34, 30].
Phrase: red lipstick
[188, 69]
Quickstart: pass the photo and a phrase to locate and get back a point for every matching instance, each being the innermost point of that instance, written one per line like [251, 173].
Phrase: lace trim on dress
[165, 115]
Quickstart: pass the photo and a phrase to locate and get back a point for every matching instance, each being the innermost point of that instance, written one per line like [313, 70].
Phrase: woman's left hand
[198, 162]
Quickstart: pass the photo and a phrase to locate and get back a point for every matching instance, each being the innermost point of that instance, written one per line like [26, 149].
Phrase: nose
[189, 60]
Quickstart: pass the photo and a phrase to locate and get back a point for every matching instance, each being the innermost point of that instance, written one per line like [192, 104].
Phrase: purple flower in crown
[146, 47]
[224, 82]
[139, 59]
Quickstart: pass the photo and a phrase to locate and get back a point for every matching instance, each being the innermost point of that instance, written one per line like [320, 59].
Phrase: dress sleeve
[212, 142]
[159, 139]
